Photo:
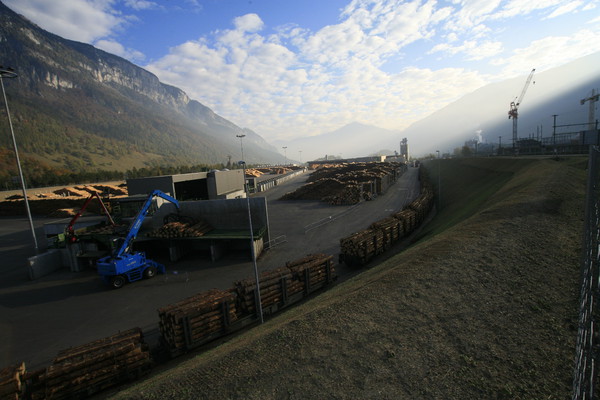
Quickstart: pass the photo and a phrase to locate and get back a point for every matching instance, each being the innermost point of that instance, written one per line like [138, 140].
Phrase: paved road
[39, 318]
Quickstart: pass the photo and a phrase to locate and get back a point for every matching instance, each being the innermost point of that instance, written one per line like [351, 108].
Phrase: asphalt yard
[39, 318]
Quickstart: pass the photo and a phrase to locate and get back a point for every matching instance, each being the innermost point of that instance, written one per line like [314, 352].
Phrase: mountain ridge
[79, 107]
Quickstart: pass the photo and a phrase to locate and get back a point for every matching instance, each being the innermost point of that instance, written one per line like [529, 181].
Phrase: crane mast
[592, 99]
[514, 107]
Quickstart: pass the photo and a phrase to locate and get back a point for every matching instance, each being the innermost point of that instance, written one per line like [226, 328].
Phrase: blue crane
[125, 265]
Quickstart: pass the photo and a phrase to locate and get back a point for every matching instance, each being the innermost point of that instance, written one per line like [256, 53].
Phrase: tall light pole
[285, 152]
[300, 151]
[252, 250]
[10, 73]
[439, 181]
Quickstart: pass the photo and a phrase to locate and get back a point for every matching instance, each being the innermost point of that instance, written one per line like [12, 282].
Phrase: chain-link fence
[587, 357]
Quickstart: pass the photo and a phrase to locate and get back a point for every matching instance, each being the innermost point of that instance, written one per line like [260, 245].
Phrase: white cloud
[116, 48]
[141, 4]
[473, 50]
[566, 8]
[290, 81]
[248, 23]
[84, 21]
[550, 52]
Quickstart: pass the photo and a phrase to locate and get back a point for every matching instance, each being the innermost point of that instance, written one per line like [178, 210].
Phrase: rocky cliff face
[129, 103]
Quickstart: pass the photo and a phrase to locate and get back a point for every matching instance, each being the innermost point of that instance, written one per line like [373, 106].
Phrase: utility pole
[439, 181]
[252, 250]
[554, 128]
[285, 152]
[592, 100]
[10, 73]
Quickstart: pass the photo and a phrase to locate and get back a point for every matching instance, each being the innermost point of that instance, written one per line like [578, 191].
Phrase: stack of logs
[362, 246]
[11, 378]
[82, 371]
[276, 285]
[205, 314]
[271, 290]
[174, 230]
[314, 267]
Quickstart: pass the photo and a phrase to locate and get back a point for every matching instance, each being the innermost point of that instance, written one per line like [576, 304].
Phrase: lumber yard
[192, 323]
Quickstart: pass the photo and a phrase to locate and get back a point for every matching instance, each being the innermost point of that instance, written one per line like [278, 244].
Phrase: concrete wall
[222, 214]
[45, 263]
[220, 183]
[147, 185]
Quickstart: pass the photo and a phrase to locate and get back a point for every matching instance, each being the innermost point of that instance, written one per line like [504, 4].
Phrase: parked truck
[125, 265]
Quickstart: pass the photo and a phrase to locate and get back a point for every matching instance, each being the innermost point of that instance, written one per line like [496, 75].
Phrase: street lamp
[439, 181]
[252, 250]
[10, 73]
[285, 152]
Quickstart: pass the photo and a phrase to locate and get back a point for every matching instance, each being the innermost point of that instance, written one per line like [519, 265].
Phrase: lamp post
[10, 73]
[285, 153]
[252, 250]
[439, 181]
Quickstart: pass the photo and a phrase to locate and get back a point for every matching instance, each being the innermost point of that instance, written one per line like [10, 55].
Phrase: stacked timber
[316, 190]
[392, 228]
[174, 230]
[312, 270]
[422, 205]
[362, 246]
[272, 289]
[81, 371]
[350, 194]
[197, 318]
[408, 218]
[11, 382]
[253, 172]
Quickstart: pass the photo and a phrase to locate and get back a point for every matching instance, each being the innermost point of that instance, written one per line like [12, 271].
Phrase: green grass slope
[484, 306]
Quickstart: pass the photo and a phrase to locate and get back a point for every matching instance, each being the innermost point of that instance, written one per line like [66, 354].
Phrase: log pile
[11, 382]
[198, 317]
[422, 205]
[271, 289]
[392, 228]
[84, 370]
[316, 190]
[346, 184]
[314, 269]
[103, 230]
[253, 172]
[408, 218]
[174, 230]
[364, 245]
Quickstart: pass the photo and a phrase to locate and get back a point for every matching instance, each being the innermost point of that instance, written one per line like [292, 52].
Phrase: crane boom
[514, 107]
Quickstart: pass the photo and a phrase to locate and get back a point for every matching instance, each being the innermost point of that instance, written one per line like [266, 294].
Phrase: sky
[288, 69]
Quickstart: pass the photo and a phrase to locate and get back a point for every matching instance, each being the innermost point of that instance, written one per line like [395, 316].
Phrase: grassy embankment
[484, 305]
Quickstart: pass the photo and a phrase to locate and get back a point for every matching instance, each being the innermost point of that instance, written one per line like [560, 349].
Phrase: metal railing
[587, 356]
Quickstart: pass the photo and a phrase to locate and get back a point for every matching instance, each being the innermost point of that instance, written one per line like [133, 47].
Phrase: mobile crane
[125, 265]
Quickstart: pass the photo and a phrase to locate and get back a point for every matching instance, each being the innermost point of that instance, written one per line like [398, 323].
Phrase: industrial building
[213, 185]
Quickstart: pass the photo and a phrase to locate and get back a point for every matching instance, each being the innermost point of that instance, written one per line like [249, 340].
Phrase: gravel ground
[484, 310]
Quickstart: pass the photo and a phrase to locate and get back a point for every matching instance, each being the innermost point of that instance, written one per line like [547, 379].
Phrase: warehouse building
[213, 185]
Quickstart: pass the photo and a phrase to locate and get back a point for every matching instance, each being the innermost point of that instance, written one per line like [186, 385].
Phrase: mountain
[77, 107]
[352, 140]
[483, 114]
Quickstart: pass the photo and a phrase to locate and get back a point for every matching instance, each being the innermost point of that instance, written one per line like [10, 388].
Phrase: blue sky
[287, 69]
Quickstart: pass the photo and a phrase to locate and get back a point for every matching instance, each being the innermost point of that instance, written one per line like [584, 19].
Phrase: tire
[149, 272]
[117, 281]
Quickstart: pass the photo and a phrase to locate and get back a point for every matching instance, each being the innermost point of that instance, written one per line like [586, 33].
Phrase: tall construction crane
[592, 99]
[514, 107]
